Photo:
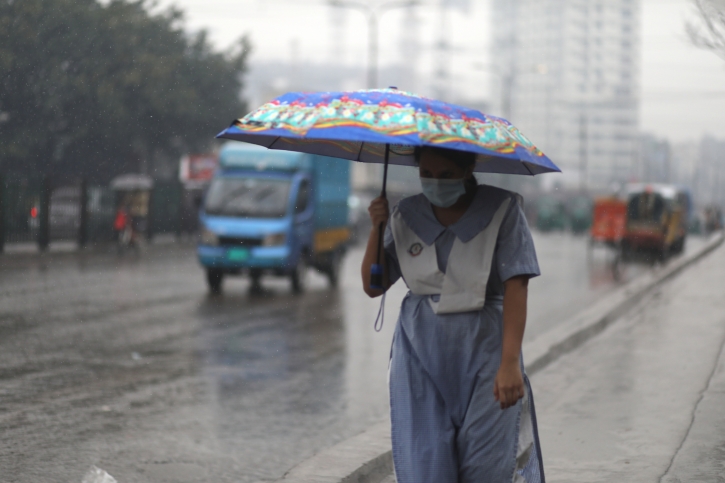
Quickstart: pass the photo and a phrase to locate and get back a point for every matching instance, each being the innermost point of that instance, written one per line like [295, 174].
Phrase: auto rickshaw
[579, 210]
[609, 220]
[550, 214]
[657, 217]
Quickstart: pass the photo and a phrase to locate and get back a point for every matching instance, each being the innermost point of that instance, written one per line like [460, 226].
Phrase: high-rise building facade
[567, 74]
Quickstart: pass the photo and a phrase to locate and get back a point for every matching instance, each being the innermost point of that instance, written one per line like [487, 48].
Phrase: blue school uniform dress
[446, 425]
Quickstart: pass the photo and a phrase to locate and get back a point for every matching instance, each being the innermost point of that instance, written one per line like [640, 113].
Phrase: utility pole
[83, 215]
[373, 15]
[505, 84]
[410, 49]
[338, 28]
[2, 213]
[507, 87]
[441, 71]
[44, 215]
[583, 151]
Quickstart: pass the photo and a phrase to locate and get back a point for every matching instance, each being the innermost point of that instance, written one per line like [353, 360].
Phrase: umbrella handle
[376, 276]
[376, 269]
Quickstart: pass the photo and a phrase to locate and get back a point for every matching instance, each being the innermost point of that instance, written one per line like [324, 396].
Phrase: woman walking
[461, 406]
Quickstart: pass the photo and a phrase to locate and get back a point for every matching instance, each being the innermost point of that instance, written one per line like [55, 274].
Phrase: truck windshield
[248, 197]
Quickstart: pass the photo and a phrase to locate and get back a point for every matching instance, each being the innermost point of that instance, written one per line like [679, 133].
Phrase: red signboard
[198, 168]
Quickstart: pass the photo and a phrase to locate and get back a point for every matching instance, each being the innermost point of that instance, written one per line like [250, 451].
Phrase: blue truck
[272, 212]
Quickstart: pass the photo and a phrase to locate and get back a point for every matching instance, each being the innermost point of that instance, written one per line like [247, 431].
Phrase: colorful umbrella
[359, 125]
[385, 126]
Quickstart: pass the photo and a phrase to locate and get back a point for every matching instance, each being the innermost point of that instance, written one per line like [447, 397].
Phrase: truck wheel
[662, 254]
[333, 271]
[214, 279]
[626, 251]
[255, 276]
[298, 277]
[617, 266]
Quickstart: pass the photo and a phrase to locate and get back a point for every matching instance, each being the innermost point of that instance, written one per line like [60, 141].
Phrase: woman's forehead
[431, 160]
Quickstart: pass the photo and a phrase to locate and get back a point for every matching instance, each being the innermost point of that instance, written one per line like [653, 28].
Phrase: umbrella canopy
[363, 125]
[128, 182]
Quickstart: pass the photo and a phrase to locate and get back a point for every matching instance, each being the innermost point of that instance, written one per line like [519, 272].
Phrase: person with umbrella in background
[462, 409]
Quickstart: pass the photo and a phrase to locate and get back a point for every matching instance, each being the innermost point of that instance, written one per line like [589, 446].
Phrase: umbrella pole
[376, 270]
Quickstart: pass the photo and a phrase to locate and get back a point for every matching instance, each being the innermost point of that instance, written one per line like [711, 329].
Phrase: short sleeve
[515, 253]
[391, 255]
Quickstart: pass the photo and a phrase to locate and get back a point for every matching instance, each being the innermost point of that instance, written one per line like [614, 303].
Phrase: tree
[709, 31]
[94, 90]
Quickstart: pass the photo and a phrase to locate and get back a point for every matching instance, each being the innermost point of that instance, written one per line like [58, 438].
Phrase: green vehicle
[580, 214]
[550, 214]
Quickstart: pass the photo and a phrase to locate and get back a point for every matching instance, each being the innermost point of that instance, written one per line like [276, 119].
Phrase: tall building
[567, 74]
[709, 173]
[654, 162]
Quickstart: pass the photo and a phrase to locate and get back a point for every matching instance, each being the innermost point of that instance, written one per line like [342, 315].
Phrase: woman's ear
[470, 181]
[469, 172]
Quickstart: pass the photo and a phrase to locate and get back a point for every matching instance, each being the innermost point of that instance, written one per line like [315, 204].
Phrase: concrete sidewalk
[617, 386]
[644, 401]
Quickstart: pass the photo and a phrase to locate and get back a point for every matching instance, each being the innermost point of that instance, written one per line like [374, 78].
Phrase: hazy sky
[682, 87]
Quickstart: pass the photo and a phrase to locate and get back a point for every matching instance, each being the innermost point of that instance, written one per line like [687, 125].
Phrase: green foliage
[91, 89]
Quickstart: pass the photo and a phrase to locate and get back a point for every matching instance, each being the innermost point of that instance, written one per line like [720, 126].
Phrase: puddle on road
[170, 472]
[97, 475]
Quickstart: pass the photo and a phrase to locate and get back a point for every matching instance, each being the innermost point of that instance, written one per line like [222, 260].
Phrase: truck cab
[271, 212]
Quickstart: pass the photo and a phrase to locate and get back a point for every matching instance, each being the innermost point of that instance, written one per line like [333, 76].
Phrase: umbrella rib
[527, 168]
[362, 143]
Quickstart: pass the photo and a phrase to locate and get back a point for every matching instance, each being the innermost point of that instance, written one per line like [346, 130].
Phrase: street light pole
[373, 14]
[583, 151]
[505, 81]
[372, 50]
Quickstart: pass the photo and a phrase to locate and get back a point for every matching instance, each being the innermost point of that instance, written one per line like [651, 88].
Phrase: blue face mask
[443, 192]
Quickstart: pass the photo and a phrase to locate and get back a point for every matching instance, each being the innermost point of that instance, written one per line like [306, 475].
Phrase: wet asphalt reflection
[129, 365]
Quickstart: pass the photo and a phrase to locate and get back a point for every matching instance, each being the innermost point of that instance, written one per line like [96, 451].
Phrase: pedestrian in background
[461, 405]
[120, 222]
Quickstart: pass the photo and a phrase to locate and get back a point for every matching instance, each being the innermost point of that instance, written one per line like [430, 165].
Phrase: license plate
[237, 254]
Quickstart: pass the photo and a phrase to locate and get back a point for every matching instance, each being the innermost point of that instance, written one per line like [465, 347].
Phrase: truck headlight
[208, 237]
[274, 240]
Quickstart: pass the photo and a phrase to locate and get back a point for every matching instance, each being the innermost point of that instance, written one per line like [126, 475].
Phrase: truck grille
[239, 242]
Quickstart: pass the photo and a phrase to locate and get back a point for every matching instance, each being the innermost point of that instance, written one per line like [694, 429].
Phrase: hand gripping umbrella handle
[376, 269]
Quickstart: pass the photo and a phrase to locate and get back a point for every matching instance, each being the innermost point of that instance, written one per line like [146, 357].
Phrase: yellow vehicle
[657, 216]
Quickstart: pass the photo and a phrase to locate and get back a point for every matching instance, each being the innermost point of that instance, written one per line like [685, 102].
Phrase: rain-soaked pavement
[643, 401]
[128, 365]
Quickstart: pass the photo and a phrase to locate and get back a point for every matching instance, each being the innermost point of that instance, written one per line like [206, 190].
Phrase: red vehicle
[609, 221]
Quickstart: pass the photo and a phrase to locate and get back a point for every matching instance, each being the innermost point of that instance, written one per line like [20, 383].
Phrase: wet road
[128, 364]
[573, 276]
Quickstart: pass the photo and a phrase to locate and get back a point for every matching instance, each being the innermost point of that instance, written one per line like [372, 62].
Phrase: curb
[367, 457]
[22, 253]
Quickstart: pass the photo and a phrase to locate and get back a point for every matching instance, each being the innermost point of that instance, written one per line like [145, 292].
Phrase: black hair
[462, 159]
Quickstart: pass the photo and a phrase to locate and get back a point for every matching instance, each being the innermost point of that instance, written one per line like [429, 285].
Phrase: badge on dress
[415, 249]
